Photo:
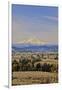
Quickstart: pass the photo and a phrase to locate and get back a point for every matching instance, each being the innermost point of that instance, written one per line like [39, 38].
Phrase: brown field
[37, 74]
[34, 77]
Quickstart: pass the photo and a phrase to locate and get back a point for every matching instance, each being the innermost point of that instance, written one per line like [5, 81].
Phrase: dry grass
[34, 77]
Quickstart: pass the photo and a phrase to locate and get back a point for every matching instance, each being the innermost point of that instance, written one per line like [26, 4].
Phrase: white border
[9, 45]
[47, 3]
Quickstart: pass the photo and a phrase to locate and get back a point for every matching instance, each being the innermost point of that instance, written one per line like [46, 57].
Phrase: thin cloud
[51, 18]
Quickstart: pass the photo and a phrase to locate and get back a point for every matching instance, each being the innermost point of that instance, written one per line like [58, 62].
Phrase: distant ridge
[34, 48]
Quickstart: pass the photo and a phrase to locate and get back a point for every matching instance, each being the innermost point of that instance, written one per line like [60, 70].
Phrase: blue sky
[39, 22]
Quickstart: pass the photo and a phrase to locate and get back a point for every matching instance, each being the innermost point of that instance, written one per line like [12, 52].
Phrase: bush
[38, 67]
[25, 65]
[15, 66]
[49, 67]
[46, 67]
[24, 61]
[54, 68]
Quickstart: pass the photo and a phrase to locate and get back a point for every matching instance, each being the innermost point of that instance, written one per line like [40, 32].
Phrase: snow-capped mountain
[32, 41]
[34, 45]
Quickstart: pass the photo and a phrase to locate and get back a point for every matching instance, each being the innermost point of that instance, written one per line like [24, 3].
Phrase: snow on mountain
[32, 41]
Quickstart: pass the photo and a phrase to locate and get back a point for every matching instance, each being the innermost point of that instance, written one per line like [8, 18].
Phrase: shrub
[49, 67]
[15, 66]
[25, 64]
[46, 67]
[54, 68]
[38, 67]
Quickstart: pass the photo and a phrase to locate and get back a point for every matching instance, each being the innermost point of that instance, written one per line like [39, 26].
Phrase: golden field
[34, 68]
[34, 77]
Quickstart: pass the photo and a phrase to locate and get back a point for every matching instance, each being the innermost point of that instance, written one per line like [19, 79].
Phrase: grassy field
[34, 77]
[34, 68]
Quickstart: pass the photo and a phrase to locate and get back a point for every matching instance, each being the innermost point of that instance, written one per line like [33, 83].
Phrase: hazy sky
[39, 22]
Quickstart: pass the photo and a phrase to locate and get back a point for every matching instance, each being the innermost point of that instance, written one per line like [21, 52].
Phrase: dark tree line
[26, 65]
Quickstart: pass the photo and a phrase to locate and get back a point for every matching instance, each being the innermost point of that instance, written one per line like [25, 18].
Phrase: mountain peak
[32, 41]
